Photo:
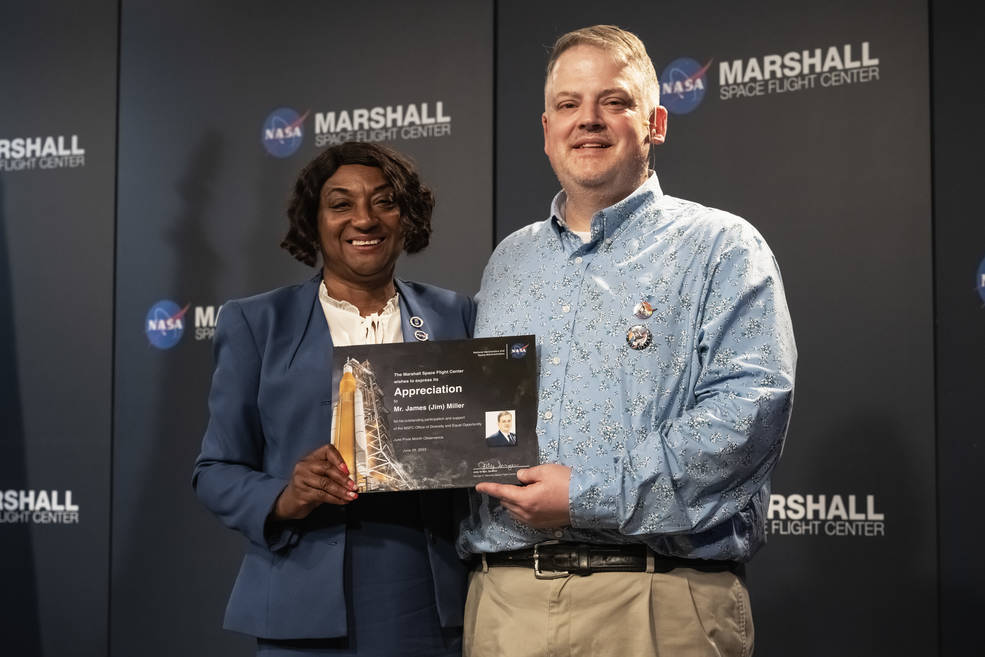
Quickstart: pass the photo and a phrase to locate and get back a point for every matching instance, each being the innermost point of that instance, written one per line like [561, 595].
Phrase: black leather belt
[555, 559]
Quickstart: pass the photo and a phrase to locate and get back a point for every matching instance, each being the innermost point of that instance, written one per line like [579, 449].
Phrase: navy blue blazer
[270, 404]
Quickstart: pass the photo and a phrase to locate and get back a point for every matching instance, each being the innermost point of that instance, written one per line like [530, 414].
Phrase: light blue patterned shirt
[671, 445]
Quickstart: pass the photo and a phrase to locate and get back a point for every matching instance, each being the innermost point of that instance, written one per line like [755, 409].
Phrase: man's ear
[657, 125]
[543, 121]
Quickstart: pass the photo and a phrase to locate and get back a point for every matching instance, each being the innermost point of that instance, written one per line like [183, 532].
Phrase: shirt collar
[607, 220]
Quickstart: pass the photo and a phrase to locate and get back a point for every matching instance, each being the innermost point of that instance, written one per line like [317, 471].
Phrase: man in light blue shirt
[666, 364]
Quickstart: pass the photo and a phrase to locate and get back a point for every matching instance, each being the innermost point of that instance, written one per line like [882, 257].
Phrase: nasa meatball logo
[683, 84]
[283, 131]
[518, 350]
[980, 280]
[165, 324]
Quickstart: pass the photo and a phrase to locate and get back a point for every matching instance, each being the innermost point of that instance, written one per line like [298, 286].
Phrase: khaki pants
[683, 613]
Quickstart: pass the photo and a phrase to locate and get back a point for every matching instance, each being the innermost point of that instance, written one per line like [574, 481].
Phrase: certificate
[446, 414]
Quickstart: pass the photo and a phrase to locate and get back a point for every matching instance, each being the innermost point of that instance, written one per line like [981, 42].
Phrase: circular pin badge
[416, 322]
[421, 336]
[643, 310]
[639, 337]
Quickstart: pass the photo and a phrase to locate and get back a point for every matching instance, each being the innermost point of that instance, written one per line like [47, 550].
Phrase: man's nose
[589, 117]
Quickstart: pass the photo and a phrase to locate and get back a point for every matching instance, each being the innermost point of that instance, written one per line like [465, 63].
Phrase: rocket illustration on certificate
[448, 414]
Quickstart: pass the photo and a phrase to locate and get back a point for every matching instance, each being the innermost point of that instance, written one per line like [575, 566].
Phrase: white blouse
[349, 328]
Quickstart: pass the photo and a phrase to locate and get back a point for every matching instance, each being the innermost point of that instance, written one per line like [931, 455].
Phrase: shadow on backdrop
[173, 543]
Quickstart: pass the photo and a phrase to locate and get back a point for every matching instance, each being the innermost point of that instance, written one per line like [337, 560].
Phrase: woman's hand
[321, 477]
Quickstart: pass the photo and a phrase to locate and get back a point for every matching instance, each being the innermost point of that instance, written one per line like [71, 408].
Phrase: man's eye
[339, 205]
[563, 106]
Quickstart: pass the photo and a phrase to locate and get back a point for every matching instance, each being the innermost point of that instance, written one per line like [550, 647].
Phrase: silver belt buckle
[540, 574]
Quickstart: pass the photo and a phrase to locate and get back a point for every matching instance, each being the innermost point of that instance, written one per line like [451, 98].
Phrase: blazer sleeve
[228, 476]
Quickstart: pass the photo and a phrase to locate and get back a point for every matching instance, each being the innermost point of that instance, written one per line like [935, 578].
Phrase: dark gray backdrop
[959, 245]
[58, 78]
[837, 179]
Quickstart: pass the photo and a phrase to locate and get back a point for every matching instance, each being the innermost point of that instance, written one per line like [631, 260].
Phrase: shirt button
[565, 308]
[556, 360]
[578, 260]
[548, 415]
[558, 533]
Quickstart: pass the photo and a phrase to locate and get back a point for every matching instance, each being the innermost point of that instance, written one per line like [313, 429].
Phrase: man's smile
[594, 143]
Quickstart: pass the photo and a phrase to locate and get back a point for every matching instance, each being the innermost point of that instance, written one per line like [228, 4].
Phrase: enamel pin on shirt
[416, 322]
[643, 310]
[639, 337]
[420, 335]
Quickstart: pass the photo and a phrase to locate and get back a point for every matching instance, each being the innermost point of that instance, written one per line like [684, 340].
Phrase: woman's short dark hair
[413, 198]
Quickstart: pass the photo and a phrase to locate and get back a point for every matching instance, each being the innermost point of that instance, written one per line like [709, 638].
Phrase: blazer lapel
[414, 318]
[313, 342]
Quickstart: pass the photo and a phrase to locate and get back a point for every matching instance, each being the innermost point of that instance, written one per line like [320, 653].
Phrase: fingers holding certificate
[542, 501]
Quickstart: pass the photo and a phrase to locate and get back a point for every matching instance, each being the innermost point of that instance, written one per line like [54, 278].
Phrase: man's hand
[319, 478]
[542, 503]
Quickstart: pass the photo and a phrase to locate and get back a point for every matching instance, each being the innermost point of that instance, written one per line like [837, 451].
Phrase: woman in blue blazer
[326, 572]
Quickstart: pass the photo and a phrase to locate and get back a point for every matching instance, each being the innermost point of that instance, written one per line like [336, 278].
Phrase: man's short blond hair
[625, 46]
